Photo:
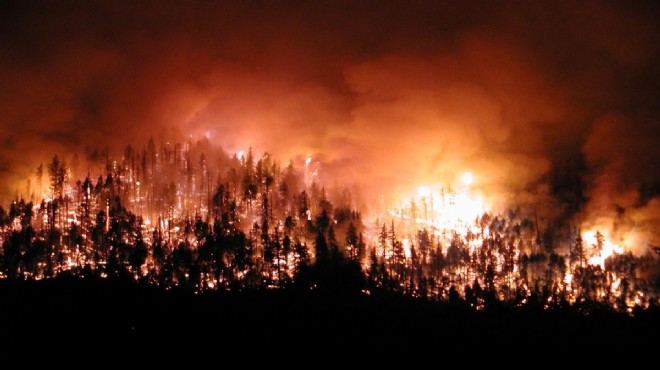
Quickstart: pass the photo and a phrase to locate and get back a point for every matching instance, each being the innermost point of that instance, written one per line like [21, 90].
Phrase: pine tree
[321, 247]
[352, 242]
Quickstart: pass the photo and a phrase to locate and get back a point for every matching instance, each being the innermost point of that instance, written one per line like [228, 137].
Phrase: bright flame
[608, 248]
[406, 247]
[443, 209]
[308, 161]
[240, 155]
[464, 208]
[423, 191]
[568, 279]
[467, 178]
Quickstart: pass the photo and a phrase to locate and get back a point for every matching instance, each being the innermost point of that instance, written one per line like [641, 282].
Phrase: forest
[190, 216]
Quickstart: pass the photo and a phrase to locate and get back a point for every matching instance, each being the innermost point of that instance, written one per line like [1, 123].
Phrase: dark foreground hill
[96, 315]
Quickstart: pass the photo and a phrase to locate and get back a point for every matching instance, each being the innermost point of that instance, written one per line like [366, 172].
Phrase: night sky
[552, 105]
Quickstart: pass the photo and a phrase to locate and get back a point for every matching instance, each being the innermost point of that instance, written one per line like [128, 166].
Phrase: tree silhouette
[57, 174]
[238, 222]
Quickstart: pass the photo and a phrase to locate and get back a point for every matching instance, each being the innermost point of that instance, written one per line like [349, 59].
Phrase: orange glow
[443, 209]
[608, 248]
[423, 191]
[467, 178]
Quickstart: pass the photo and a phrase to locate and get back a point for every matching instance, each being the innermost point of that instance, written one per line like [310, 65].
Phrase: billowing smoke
[552, 106]
[622, 154]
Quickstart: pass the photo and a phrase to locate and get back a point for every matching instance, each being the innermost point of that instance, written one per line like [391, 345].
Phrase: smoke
[622, 153]
[552, 106]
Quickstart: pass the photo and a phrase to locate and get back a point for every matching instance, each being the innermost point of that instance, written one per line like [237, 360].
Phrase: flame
[608, 248]
[450, 214]
[443, 208]
[467, 178]
[423, 191]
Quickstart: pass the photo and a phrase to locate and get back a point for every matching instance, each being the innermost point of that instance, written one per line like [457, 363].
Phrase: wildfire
[439, 236]
[467, 178]
[602, 247]
[444, 208]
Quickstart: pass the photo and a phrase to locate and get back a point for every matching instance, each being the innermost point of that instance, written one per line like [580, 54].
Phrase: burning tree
[244, 222]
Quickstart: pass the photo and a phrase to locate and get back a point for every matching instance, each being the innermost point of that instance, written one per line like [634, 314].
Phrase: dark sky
[538, 99]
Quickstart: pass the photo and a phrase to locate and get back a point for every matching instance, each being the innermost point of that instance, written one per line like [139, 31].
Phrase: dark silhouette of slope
[122, 317]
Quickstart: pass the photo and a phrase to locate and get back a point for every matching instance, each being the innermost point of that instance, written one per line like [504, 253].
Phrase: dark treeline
[189, 215]
[137, 320]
